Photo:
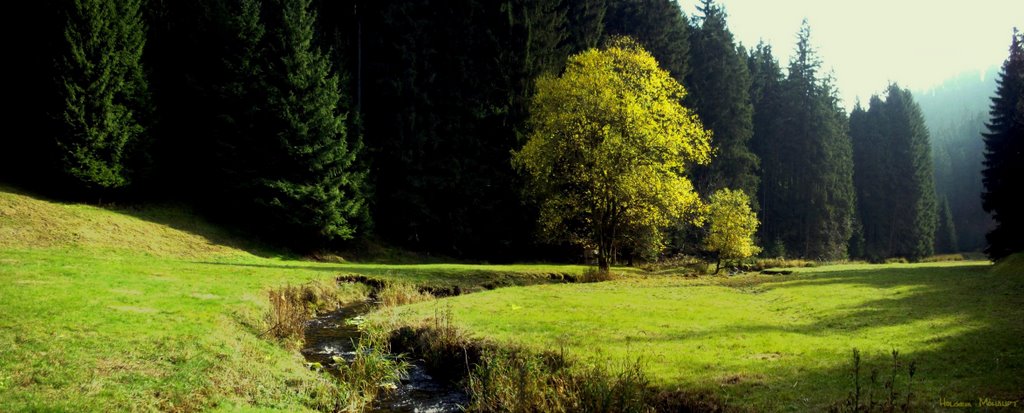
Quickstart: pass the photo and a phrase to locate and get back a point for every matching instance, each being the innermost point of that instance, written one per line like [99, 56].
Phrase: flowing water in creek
[333, 334]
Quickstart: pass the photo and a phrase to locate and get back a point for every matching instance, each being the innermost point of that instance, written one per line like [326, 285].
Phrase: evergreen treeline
[312, 122]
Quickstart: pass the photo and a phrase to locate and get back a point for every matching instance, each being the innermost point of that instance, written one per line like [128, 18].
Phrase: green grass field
[778, 343]
[150, 309]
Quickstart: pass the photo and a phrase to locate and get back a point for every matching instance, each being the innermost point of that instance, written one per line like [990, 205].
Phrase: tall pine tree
[945, 234]
[814, 169]
[893, 162]
[105, 93]
[1004, 157]
[306, 184]
[719, 85]
[766, 98]
[872, 163]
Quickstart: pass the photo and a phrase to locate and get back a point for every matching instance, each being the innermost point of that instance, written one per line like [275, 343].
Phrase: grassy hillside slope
[28, 222]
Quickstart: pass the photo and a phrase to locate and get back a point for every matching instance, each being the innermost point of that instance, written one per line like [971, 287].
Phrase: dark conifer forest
[318, 124]
[502, 206]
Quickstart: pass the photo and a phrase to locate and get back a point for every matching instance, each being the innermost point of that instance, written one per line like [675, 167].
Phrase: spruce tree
[945, 235]
[894, 167]
[859, 138]
[873, 165]
[307, 185]
[105, 92]
[816, 161]
[534, 42]
[766, 143]
[1004, 157]
[915, 186]
[719, 86]
[447, 107]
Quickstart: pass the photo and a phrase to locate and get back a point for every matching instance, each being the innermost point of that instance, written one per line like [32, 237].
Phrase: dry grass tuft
[396, 294]
[292, 305]
[593, 275]
[944, 258]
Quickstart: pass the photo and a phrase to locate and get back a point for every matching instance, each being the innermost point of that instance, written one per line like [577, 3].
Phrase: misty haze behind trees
[955, 113]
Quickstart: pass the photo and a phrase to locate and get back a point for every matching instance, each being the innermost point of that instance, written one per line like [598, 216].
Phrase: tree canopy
[609, 148]
[732, 225]
[104, 90]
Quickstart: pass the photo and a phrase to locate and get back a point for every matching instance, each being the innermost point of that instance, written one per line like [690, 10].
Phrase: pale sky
[868, 43]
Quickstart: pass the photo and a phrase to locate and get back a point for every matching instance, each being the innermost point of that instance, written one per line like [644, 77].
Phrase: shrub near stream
[292, 305]
[372, 371]
[519, 381]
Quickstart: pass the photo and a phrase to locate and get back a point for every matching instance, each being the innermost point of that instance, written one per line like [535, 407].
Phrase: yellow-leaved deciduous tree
[608, 150]
[733, 224]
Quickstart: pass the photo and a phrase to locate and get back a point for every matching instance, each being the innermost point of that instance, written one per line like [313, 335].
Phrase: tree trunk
[604, 251]
[602, 260]
[718, 264]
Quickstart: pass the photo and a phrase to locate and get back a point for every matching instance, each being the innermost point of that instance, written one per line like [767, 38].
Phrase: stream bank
[448, 371]
[330, 340]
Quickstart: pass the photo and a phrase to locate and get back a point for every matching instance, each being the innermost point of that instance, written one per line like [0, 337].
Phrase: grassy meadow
[121, 309]
[777, 343]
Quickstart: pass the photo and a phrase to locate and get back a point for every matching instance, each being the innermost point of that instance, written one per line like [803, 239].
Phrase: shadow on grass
[964, 328]
[187, 219]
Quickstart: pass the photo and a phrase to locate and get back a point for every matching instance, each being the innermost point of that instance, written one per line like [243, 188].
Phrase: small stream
[333, 334]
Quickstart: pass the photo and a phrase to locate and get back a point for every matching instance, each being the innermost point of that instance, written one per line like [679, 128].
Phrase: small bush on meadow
[594, 274]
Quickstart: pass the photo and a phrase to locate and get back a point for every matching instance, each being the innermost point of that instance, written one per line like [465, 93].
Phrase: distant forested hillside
[955, 113]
